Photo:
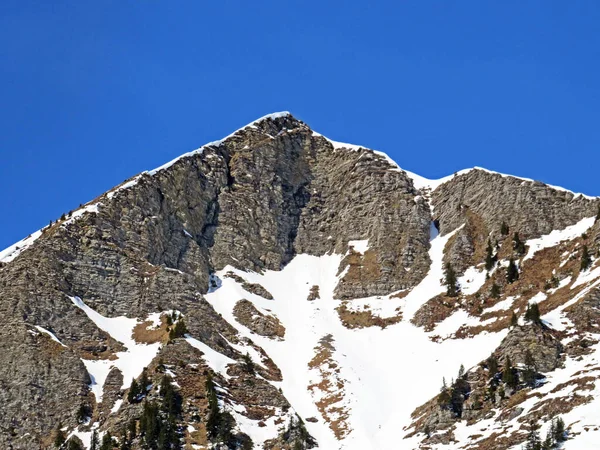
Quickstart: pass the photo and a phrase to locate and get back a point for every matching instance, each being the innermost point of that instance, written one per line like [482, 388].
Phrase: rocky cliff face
[265, 245]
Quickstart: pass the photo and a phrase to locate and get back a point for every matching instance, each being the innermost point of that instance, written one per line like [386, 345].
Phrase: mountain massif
[279, 290]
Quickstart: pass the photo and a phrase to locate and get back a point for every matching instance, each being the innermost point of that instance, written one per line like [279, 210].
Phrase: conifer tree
[134, 391]
[532, 313]
[149, 424]
[504, 229]
[530, 371]
[94, 443]
[74, 444]
[179, 330]
[495, 291]
[559, 430]
[144, 382]
[59, 437]
[212, 423]
[83, 413]
[514, 320]
[132, 428]
[489, 257]
[512, 272]
[518, 245]
[451, 281]
[107, 442]
[548, 443]
[248, 364]
[533, 438]
[509, 377]
[586, 259]
[461, 372]
[492, 364]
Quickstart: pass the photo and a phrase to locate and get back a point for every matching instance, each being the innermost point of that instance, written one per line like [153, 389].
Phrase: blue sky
[95, 92]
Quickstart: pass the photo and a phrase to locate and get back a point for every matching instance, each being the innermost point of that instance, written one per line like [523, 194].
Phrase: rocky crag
[280, 290]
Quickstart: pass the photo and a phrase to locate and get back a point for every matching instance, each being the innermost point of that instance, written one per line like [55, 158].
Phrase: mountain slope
[310, 278]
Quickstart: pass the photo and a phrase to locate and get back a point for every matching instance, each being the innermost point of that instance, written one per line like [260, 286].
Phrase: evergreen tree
[492, 364]
[509, 377]
[504, 229]
[530, 371]
[132, 428]
[501, 392]
[559, 430]
[212, 423]
[461, 372]
[83, 413]
[62, 217]
[532, 314]
[451, 281]
[172, 400]
[248, 364]
[59, 437]
[518, 245]
[224, 434]
[94, 443]
[586, 259]
[533, 438]
[512, 272]
[495, 291]
[489, 257]
[134, 391]
[144, 382]
[514, 320]
[179, 330]
[107, 442]
[74, 444]
[149, 424]
[548, 443]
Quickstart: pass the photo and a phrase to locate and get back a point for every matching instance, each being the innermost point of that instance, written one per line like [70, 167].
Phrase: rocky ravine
[308, 274]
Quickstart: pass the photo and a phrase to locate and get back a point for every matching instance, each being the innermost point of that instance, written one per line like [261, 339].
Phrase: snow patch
[10, 253]
[130, 362]
[215, 360]
[359, 246]
[52, 335]
[557, 236]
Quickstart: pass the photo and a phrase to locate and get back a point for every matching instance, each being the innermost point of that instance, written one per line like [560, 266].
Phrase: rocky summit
[279, 290]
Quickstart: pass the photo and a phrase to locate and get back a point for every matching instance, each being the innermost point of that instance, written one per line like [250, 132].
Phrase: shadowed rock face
[269, 192]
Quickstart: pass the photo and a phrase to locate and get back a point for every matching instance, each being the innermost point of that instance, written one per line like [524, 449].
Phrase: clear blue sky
[94, 92]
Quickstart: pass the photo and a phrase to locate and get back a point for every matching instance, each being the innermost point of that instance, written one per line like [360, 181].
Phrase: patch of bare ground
[498, 441]
[581, 384]
[362, 268]
[147, 333]
[253, 288]
[329, 388]
[365, 318]
[95, 350]
[401, 294]
[262, 324]
[435, 311]
[314, 293]
[552, 407]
